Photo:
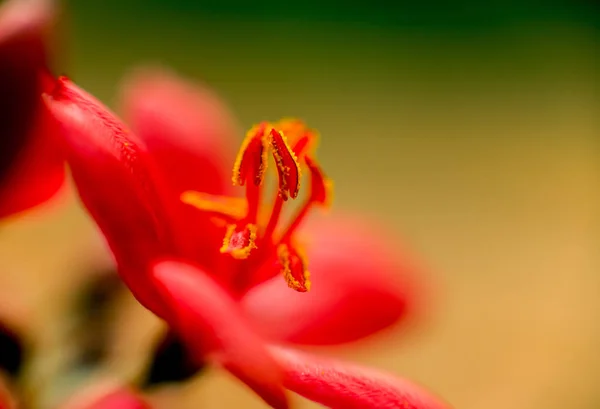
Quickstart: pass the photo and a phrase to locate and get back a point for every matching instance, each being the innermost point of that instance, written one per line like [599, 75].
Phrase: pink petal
[340, 385]
[31, 165]
[117, 184]
[190, 133]
[208, 321]
[361, 284]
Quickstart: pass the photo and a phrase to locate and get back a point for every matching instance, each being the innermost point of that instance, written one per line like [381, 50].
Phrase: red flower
[31, 167]
[210, 264]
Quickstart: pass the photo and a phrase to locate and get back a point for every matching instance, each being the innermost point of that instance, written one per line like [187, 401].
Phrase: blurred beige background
[481, 151]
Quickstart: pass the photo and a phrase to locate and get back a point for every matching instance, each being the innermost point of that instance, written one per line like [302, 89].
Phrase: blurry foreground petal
[339, 385]
[359, 287]
[208, 320]
[31, 164]
[23, 28]
[37, 174]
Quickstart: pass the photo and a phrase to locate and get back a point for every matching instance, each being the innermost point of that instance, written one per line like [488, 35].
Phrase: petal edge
[340, 385]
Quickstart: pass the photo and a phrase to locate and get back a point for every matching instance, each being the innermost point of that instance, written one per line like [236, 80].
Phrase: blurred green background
[469, 128]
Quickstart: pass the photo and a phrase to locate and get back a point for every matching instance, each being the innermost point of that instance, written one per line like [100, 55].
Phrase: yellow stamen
[233, 208]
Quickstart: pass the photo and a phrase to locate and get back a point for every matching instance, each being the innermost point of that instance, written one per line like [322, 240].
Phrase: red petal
[189, 131]
[209, 322]
[38, 173]
[190, 134]
[31, 168]
[339, 385]
[358, 287]
[116, 183]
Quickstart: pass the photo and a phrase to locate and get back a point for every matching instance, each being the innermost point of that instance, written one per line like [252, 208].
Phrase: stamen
[320, 193]
[293, 267]
[274, 218]
[291, 142]
[302, 138]
[239, 243]
[253, 194]
[304, 143]
[321, 187]
[287, 166]
[251, 160]
[225, 207]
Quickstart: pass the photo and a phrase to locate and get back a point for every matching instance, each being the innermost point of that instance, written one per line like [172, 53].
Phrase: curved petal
[31, 164]
[207, 319]
[340, 385]
[190, 134]
[185, 126]
[117, 184]
[358, 287]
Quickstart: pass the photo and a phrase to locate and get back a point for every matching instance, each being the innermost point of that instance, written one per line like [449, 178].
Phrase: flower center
[266, 245]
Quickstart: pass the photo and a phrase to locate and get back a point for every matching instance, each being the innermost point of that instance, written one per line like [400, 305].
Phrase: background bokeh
[470, 129]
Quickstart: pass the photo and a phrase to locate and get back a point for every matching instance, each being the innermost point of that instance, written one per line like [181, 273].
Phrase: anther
[292, 262]
[287, 166]
[252, 159]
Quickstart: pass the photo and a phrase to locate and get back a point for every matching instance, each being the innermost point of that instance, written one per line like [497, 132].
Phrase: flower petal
[37, 174]
[340, 385]
[186, 126]
[190, 133]
[208, 321]
[22, 54]
[117, 184]
[358, 287]
[31, 166]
